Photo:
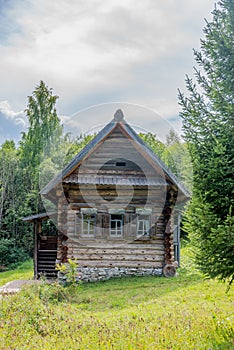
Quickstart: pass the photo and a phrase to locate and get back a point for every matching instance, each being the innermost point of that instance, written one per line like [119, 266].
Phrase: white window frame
[116, 231]
[146, 225]
[90, 232]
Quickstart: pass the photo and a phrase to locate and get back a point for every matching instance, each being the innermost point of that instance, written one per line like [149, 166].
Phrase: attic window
[120, 163]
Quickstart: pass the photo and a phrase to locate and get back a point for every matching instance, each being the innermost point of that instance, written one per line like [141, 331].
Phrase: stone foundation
[95, 274]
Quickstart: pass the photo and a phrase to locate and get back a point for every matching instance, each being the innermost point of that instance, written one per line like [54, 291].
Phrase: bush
[10, 254]
[69, 270]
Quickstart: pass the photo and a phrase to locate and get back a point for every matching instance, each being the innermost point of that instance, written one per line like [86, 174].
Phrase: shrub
[69, 270]
[10, 254]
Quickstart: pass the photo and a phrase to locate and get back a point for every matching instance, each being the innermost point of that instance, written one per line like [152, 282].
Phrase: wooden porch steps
[46, 263]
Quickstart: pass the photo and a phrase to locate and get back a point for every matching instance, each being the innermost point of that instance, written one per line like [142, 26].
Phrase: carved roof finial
[118, 116]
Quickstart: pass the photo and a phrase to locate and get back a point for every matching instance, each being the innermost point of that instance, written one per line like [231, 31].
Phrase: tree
[208, 126]
[15, 240]
[19, 174]
[43, 133]
[8, 168]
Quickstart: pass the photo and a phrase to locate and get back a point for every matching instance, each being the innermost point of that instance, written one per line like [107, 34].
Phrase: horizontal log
[130, 264]
[100, 241]
[74, 186]
[79, 238]
[102, 207]
[111, 140]
[119, 251]
[121, 200]
[121, 244]
[110, 258]
[116, 155]
[126, 191]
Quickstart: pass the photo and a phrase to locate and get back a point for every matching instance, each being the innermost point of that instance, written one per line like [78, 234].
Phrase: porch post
[36, 225]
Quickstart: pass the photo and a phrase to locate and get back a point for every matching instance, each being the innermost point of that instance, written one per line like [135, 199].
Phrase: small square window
[120, 163]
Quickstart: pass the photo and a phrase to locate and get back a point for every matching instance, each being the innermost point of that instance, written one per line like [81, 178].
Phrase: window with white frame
[143, 225]
[116, 225]
[88, 224]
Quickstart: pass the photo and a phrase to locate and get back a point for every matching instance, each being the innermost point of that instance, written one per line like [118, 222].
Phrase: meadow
[184, 312]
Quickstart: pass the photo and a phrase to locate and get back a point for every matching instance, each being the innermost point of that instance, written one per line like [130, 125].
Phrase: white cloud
[101, 50]
[17, 117]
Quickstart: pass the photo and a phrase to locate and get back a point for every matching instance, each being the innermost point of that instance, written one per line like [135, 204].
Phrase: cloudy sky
[93, 52]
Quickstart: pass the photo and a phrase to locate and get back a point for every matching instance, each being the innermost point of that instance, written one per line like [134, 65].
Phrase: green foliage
[153, 142]
[174, 153]
[44, 133]
[51, 292]
[74, 146]
[44, 127]
[8, 177]
[10, 254]
[212, 240]
[208, 126]
[69, 270]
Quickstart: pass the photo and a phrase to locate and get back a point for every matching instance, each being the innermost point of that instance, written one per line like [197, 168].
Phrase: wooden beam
[36, 229]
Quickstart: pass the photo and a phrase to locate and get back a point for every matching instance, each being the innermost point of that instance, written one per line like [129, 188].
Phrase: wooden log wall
[106, 251]
[102, 196]
[118, 147]
[102, 250]
[125, 255]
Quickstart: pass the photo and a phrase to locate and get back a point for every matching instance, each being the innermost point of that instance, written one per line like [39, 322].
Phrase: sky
[97, 56]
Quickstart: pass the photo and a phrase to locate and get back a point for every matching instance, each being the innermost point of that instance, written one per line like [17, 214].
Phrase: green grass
[23, 272]
[185, 312]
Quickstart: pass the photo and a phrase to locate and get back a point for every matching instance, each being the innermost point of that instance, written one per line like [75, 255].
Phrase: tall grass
[185, 312]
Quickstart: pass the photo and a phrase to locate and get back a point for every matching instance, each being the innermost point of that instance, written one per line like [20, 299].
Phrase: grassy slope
[23, 272]
[185, 312]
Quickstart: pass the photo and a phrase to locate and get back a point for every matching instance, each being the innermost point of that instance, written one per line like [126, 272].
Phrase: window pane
[88, 227]
[119, 223]
[85, 226]
[116, 222]
[140, 225]
[143, 225]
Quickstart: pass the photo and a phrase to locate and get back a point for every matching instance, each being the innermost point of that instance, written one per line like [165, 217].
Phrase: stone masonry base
[95, 274]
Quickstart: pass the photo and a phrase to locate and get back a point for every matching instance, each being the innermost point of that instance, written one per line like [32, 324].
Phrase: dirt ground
[15, 286]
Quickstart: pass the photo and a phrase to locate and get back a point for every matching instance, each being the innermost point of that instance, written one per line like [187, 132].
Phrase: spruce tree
[208, 126]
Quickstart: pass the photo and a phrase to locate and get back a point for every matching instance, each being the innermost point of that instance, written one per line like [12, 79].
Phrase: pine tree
[208, 125]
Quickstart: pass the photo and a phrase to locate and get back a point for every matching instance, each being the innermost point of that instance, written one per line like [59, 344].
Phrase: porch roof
[40, 216]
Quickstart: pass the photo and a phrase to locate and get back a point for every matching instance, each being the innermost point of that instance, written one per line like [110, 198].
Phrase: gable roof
[118, 120]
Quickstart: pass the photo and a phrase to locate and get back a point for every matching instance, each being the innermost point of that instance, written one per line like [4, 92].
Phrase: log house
[115, 210]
